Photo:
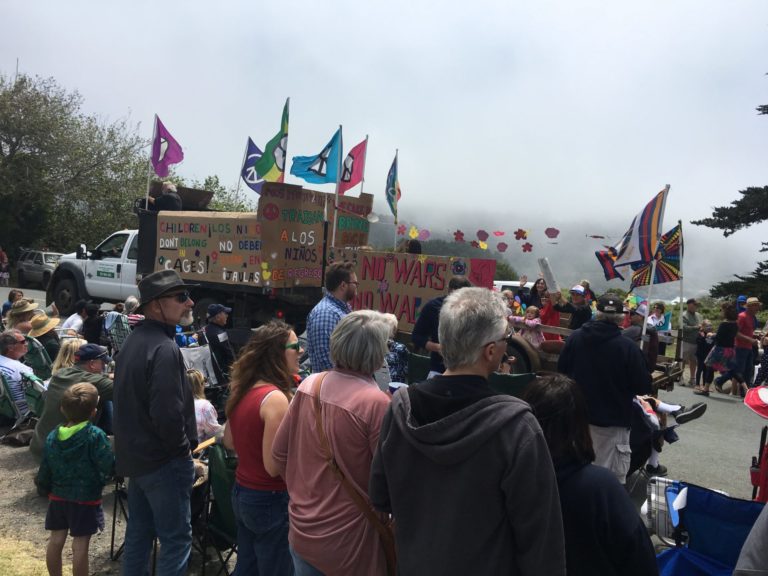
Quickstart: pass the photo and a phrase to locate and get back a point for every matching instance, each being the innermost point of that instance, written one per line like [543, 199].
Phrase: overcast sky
[507, 114]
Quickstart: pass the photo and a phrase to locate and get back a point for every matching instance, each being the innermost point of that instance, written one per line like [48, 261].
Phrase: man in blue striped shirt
[340, 287]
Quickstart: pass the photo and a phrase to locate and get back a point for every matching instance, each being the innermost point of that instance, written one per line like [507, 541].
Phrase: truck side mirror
[82, 252]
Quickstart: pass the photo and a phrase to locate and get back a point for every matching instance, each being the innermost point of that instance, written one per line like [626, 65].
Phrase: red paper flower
[520, 234]
[527, 247]
[401, 230]
[502, 246]
[482, 235]
[423, 235]
[498, 233]
[458, 236]
[475, 244]
[552, 232]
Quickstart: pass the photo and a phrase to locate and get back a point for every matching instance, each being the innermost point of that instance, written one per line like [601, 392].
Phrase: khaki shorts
[688, 351]
[612, 449]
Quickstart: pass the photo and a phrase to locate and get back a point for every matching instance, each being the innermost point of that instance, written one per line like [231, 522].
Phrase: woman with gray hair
[324, 448]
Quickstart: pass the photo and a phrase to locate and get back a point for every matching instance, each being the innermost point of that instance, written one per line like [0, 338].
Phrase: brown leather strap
[385, 531]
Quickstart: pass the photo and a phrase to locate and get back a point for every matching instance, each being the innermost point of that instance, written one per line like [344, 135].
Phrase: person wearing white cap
[578, 308]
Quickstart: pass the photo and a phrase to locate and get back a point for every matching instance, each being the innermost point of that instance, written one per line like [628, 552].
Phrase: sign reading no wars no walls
[402, 283]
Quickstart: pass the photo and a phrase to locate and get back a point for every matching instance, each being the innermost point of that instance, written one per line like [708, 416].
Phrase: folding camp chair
[8, 408]
[512, 384]
[418, 368]
[758, 472]
[709, 530]
[34, 393]
[37, 358]
[220, 529]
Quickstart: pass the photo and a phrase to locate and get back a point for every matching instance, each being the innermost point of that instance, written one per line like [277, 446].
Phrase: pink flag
[165, 150]
[353, 168]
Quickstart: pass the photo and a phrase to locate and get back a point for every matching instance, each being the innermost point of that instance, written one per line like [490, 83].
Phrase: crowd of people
[341, 474]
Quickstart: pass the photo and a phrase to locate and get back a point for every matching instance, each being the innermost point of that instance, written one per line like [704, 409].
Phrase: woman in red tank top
[260, 387]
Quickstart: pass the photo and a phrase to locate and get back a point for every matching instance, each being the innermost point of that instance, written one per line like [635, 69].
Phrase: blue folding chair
[709, 531]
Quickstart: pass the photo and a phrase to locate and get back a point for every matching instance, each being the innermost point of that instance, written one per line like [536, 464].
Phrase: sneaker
[659, 470]
[682, 416]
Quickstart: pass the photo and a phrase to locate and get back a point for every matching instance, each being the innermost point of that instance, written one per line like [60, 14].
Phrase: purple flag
[165, 150]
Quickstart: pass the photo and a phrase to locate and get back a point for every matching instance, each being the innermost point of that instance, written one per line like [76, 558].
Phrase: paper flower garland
[527, 247]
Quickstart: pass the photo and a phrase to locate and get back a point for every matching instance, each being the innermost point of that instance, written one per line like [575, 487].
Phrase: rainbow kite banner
[668, 258]
[639, 243]
[271, 166]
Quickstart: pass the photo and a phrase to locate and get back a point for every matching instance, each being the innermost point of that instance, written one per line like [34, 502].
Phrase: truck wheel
[526, 358]
[65, 295]
[21, 280]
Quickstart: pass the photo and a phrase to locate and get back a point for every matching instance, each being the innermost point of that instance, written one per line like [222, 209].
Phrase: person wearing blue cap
[90, 360]
[218, 339]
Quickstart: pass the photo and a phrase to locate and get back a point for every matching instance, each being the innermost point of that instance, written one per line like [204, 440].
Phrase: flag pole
[149, 168]
[682, 250]
[240, 173]
[365, 158]
[285, 159]
[338, 180]
[653, 269]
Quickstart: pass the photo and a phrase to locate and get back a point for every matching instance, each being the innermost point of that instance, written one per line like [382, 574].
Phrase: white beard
[187, 319]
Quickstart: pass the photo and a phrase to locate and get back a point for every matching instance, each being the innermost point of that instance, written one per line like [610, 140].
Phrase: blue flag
[248, 173]
[321, 168]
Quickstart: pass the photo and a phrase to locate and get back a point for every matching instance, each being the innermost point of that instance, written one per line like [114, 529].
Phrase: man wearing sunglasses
[155, 429]
[13, 346]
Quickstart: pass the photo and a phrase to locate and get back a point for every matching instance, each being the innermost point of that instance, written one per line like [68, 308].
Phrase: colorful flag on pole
[668, 258]
[271, 166]
[321, 168]
[639, 243]
[249, 173]
[353, 167]
[165, 150]
[393, 188]
[606, 261]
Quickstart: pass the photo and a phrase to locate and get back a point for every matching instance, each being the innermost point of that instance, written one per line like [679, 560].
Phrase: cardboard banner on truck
[292, 222]
[352, 225]
[402, 283]
[222, 247]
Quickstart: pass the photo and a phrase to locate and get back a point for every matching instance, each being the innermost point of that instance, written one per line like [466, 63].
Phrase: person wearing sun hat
[155, 428]
[43, 331]
[21, 313]
[90, 360]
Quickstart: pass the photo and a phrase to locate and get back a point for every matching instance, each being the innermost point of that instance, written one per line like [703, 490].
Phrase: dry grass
[21, 558]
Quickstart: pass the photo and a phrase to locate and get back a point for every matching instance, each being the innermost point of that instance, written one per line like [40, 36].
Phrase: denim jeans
[262, 532]
[302, 567]
[739, 367]
[158, 505]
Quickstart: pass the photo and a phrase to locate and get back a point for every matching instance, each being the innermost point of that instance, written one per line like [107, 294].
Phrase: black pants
[703, 372]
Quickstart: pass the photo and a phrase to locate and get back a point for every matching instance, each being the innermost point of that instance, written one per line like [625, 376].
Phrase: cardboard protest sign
[292, 223]
[210, 246]
[402, 283]
[352, 226]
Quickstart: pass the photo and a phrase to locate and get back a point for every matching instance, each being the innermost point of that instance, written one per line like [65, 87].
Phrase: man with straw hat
[43, 331]
[155, 429]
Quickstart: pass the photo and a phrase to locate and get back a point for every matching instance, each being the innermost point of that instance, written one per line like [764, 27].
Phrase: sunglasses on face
[295, 346]
[180, 297]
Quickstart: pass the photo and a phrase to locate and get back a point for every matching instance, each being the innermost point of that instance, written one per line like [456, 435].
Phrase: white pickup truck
[105, 274]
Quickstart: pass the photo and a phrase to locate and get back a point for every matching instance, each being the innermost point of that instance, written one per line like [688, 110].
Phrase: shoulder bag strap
[384, 530]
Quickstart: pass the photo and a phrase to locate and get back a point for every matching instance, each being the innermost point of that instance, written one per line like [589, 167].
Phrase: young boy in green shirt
[77, 462]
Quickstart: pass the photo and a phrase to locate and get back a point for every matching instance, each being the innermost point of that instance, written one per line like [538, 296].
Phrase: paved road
[716, 450]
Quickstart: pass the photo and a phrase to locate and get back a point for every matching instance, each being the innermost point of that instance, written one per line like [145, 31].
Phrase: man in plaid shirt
[340, 287]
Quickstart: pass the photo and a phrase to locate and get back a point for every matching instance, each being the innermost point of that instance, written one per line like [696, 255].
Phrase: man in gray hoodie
[466, 472]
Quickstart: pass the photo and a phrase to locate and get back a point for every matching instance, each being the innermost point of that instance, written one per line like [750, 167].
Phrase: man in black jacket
[218, 340]
[466, 471]
[578, 307]
[155, 430]
[611, 370]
